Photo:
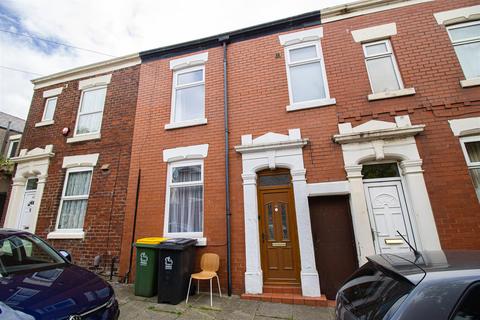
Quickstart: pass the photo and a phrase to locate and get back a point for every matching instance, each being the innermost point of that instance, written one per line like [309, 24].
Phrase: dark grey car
[439, 285]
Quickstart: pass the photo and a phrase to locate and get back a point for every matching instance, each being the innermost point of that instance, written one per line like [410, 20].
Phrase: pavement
[198, 308]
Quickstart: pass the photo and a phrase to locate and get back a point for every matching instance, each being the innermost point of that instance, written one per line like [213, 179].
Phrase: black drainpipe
[228, 214]
[127, 275]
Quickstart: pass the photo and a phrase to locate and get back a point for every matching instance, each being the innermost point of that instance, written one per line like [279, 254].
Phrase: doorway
[387, 208]
[333, 240]
[26, 213]
[278, 229]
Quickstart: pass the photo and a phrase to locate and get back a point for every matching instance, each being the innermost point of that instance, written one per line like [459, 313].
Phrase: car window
[25, 252]
[372, 291]
[469, 308]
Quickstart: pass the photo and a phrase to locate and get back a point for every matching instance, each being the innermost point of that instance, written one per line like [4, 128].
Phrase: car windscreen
[372, 291]
[25, 252]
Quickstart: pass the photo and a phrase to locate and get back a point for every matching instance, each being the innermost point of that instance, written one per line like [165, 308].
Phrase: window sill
[183, 124]
[66, 235]
[44, 123]
[86, 137]
[470, 82]
[391, 94]
[311, 104]
[201, 241]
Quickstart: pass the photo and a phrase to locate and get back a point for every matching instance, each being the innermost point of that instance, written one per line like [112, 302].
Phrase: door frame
[404, 203]
[292, 219]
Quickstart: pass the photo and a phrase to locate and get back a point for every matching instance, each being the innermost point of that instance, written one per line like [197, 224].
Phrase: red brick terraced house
[72, 170]
[296, 148]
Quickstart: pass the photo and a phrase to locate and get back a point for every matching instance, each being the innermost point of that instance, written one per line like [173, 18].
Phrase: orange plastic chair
[209, 265]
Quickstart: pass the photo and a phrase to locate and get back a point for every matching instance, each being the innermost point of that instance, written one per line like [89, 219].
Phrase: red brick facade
[134, 137]
[106, 204]
[258, 94]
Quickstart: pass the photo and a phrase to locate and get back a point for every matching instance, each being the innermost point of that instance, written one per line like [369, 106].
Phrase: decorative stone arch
[378, 141]
[270, 151]
[30, 164]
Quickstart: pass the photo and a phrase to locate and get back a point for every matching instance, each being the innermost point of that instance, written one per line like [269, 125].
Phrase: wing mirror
[66, 255]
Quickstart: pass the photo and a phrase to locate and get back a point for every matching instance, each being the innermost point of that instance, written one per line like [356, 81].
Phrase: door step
[290, 298]
[295, 289]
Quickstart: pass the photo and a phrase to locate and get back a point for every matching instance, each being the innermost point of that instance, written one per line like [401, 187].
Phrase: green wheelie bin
[146, 274]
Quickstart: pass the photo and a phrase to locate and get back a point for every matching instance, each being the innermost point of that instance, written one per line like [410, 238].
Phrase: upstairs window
[381, 67]
[188, 101]
[74, 200]
[184, 210]
[466, 42]
[471, 151]
[306, 73]
[12, 148]
[90, 112]
[50, 105]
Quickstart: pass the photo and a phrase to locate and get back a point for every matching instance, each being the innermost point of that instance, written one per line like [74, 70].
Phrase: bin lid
[177, 243]
[151, 240]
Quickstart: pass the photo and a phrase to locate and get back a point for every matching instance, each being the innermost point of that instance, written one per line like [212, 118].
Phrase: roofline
[299, 21]
[87, 70]
[363, 7]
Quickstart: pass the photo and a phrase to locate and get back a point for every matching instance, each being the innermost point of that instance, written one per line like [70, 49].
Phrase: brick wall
[258, 95]
[106, 205]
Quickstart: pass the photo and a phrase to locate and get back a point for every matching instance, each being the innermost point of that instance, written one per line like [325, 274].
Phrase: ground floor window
[74, 201]
[471, 150]
[184, 209]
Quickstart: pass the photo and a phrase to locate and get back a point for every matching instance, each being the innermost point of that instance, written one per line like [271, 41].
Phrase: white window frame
[82, 197]
[10, 147]
[464, 41]
[463, 140]
[309, 103]
[202, 120]
[470, 164]
[390, 54]
[45, 108]
[176, 164]
[75, 134]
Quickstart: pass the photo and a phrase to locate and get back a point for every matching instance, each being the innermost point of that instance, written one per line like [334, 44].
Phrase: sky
[97, 30]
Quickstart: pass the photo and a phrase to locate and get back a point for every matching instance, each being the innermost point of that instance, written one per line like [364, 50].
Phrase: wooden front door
[278, 229]
[333, 241]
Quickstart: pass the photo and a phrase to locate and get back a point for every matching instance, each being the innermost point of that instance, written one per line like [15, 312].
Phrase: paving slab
[224, 308]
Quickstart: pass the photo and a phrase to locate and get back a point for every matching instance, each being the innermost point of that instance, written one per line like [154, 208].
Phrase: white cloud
[117, 28]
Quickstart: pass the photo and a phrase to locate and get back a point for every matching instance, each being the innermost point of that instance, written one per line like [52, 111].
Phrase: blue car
[39, 283]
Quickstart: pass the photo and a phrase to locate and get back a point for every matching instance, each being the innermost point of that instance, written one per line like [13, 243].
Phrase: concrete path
[198, 308]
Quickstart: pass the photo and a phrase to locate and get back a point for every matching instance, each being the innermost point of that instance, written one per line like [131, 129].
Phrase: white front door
[26, 213]
[388, 214]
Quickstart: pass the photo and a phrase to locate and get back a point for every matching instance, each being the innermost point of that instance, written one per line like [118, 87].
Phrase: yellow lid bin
[151, 240]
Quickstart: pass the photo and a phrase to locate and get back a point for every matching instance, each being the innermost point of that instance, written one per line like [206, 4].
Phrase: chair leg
[198, 286]
[188, 291]
[211, 298]
[219, 291]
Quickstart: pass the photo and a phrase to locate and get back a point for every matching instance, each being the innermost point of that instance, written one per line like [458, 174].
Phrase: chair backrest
[210, 262]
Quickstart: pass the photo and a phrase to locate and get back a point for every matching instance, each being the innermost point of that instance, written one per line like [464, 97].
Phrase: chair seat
[203, 275]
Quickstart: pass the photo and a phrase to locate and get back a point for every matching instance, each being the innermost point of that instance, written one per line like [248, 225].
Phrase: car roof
[415, 267]
[4, 233]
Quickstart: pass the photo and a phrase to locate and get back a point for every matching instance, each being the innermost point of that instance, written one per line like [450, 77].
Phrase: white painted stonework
[93, 82]
[378, 141]
[466, 126]
[331, 188]
[189, 61]
[183, 153]
[375, 33]
[30, 164]
[301, 36]
[270, 151]
[458, 15]
[52, 92]
[84, 160]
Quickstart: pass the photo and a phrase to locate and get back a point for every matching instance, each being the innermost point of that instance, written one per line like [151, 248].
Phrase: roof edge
[299, 21]
[87, 70]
